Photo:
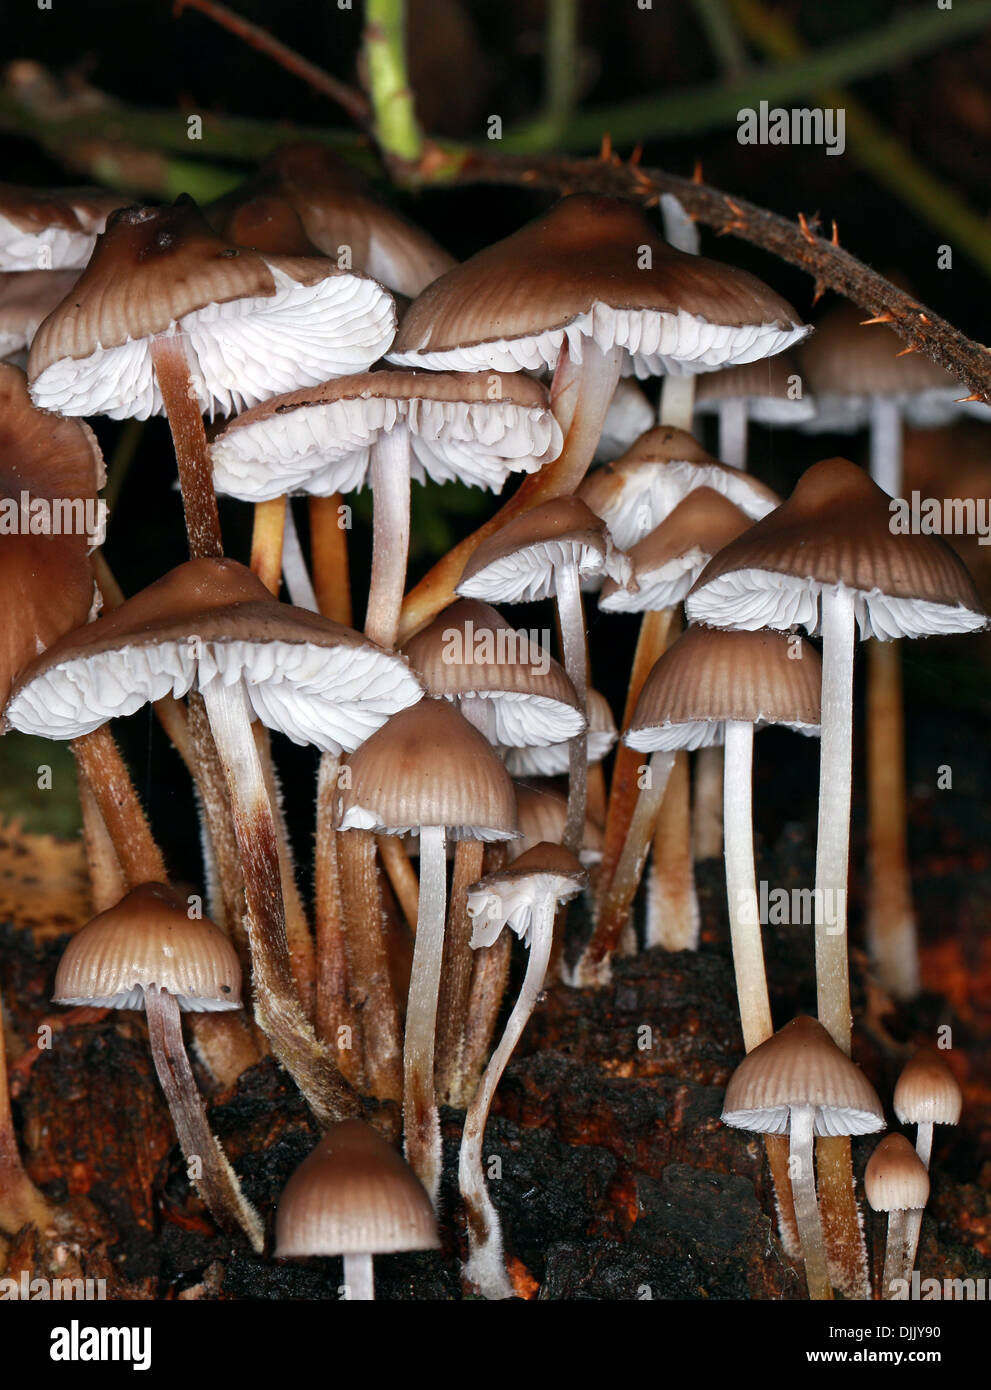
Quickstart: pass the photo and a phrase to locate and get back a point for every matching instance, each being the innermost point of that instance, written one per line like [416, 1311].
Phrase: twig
[395, 125]
[348, 98]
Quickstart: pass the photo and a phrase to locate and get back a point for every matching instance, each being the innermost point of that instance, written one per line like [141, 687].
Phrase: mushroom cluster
[461, 787]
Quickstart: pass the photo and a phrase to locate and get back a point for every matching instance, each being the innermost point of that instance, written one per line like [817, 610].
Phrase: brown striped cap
[927, 1092]
[543, 814]
[771, 391]
[353, 1195]
[800, 1066]
[593, 266]
[517, 563]
[836, 531]
[895, 1178]
[148, 941]
[51, 228]
[711, 676]
[427, 766]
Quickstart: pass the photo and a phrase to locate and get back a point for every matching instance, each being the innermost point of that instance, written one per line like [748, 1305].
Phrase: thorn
[806, 233]
[697, 172]
[881, 318]
[924, 318]
[653, 202]
[640, 178]
[636, 156]
[605, 149]
[820, 290]
[836, 234]
[912, 347]
[734, 226]
[975, 397]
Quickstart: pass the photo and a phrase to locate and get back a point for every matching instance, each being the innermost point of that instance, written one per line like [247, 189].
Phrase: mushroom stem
[677, 402]
[655, 629]
[485, 1268]
[924, 1142]
[488, 986]
[101, 765]
[20, 1200]
[806, 1209]
[732, 414]
[390, 534]
[672, 908]
[267, 537]
[359, 1278]
[741, 886]
[841, 1223]
[336, 1019]
[277, 1006]
[913, 1219]
[707, 816]
[294, 570]
[833, 836]
[455, 985]
[329, 555]
[891, 933]
[593, 967]
[599, 376]
[421, 1120]
[211, 1173]
[402, 875]
[369, 980]
[107, 882]
[896, 1252]
[171, 365]
[572, 619]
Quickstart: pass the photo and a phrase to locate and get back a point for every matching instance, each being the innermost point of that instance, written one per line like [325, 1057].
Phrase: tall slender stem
[267, 536]
[390, 534]
[217, 1182]
[369, 979]
[803, 1188]
[100, 763]
[337, 1021]
[741, 886]
[733, 423]
[420, 1118]
[329, 556]
[485, 1269]
[895, 1252]
[672, 908]
[294, 571]
[488, 986]
[572, 618]
[455, 985]
[168, 355]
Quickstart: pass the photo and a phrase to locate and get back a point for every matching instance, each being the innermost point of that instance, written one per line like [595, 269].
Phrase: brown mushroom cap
[835, 530]
[473, 428]
[927, 1092]
[427, 766]
[469, 651]
[710, 676]
[253, 325]
[766, 388]
[353, 1195]
[148, 941]
[543, 813]
[51, 228]
[665, 564]
[305, 675]
[26, 299]
[581, 270]
[801, 1065]
[895, 1178]
[267, 224]
[509, 896]
[47, 578]
[516, 564]
[337, 210]
[635, 493]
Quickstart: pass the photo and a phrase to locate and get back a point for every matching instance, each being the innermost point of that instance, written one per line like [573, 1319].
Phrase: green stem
[396, 128]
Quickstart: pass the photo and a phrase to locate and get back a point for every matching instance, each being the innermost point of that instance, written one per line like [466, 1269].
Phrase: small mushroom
[354, 1196]
[147, 953]
[896, 1181]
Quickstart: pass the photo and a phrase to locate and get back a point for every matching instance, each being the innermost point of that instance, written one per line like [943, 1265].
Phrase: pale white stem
[294, 571]
[420, 1117]
[803, 1189]
[213, 1176]
[677, 405]
[839, 628]
[924, 1143]
[572, 616]
[913, 1219]
[886, 444]
[896, 1251]
[741, 885]
[359, 1278]
[485, 1269]
[390, 534]
[733, 423]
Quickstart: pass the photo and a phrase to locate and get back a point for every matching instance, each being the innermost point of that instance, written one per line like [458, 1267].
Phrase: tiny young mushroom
[896, 1181]
[799, 1083]
[549, 550]
[427, 769]
[211, 626]
[590, 291]
[525, 898]
[388, 428]
[926, 1094]
[167, 316]
[827, 561]
[354, 1196]
[146, 952]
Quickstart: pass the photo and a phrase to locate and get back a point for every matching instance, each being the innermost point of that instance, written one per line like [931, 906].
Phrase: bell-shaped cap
[895, 1178]
[927, 1092]
[771, 391]
[517, 563]
[148, 941]
[543, 812]
[838, 529]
